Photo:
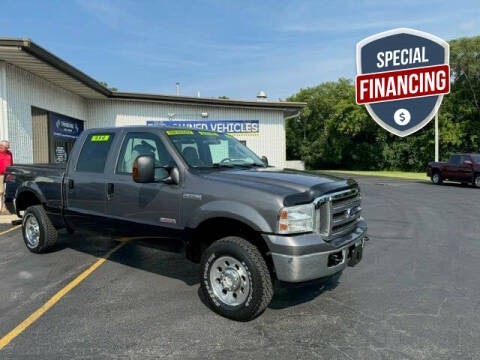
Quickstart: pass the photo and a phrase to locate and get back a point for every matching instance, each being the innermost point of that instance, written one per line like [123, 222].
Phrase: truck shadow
[448, 184]
[166, 258]
[162, 257]
[286, 296]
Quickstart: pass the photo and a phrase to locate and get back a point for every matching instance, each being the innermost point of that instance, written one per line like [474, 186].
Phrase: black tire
[255, 287]
[437, 178]
[476, 180]
[38, 232]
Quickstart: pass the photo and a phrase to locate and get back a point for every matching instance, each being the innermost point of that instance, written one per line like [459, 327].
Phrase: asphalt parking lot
[415, 295]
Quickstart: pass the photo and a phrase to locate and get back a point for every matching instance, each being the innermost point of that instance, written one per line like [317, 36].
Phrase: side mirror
[265, 160]
[144, 169]
[467, 162]
[173, 178]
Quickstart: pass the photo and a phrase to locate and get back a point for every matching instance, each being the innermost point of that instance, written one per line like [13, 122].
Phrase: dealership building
[45, 103]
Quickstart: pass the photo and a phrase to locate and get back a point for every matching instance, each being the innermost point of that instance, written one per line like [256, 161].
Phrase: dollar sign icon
[402, 117]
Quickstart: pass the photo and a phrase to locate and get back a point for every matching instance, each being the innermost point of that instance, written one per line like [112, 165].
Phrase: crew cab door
[466, 170]
[451, 171]
[142, 209]
[84, 184]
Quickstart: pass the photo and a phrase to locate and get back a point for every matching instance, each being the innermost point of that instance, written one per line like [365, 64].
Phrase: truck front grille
[338, 213]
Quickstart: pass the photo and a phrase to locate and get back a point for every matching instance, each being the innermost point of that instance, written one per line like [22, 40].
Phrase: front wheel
[38, 232]
[476, 181]
[436, 178]
[235, 279]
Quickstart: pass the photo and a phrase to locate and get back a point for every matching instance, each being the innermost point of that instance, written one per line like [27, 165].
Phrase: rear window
[95, 152]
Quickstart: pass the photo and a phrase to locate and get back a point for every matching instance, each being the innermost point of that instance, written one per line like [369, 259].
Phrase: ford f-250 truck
[464, 168]
[246, 223]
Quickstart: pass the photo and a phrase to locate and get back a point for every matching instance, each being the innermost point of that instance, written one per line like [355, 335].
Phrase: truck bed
[46, 178]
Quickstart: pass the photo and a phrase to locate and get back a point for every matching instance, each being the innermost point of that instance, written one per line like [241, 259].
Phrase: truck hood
[297, 187]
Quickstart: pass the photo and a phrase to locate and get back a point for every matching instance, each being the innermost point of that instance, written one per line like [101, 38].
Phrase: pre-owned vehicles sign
[402, 76]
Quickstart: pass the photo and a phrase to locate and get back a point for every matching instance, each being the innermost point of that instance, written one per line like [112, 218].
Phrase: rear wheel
[476, 181]
[437, 178]
[235, 279]
[38, 232]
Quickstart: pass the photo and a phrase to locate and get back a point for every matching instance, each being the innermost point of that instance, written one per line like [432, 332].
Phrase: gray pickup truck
[246, 223]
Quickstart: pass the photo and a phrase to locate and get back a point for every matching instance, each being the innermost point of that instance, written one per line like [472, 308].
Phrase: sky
[223, 48]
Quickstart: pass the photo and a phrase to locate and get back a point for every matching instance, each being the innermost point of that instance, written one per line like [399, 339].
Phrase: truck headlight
[296, 219]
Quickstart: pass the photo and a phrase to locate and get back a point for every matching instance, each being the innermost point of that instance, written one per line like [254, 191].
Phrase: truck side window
[454, 159]
[95, 152]
[136, 144]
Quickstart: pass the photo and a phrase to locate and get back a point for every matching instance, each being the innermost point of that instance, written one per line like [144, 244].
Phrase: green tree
[104, 84]
[462, 105]
[332, 131]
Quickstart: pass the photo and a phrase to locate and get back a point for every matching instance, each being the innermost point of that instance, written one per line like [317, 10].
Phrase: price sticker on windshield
[179, 132]
[99, 138]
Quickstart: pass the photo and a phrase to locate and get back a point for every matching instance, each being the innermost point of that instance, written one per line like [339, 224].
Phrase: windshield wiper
[227, 165]
[231, 165]
[248, 165]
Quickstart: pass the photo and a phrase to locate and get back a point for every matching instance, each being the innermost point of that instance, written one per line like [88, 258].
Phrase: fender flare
[30, 187]
[232, 210]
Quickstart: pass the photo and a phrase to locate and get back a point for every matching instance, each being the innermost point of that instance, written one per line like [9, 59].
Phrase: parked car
[464, 168]
[246, 223]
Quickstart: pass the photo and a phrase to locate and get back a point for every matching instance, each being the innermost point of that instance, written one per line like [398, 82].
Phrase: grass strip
[390, 174]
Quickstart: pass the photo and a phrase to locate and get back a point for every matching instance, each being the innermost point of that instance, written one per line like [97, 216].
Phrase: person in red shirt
[6, 159]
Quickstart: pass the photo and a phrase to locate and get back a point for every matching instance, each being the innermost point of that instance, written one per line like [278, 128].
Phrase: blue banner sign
[225, 126]
[66, 127]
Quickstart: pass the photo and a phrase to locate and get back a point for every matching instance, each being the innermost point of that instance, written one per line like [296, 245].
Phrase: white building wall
[270, 141]
[3, 101]
[24, 90]
[20, 90]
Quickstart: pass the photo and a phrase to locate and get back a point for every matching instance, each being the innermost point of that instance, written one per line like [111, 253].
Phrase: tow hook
[355, 254]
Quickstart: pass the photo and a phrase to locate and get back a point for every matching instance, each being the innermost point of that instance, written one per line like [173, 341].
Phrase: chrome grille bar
[337, 213]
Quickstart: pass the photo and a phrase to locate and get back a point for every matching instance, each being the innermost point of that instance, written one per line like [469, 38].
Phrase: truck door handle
[71, 184]
[110, 190]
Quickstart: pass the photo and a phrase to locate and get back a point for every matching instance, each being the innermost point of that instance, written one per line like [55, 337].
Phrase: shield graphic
[419, 50]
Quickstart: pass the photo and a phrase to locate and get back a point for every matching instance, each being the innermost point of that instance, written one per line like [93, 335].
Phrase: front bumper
[307, 257]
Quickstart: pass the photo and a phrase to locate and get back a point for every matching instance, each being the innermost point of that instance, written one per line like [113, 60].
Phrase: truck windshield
[210, 149]
[476, 159]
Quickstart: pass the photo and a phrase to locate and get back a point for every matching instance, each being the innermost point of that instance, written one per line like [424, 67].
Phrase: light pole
[436, 137]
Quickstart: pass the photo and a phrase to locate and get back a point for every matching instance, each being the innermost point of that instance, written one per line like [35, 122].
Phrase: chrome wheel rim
[229, 280]
[436, 178]
[32, 231]
[477, 181]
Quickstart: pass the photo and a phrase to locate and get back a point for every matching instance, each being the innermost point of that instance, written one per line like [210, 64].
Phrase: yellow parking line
[4, 341]
[11, 229]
